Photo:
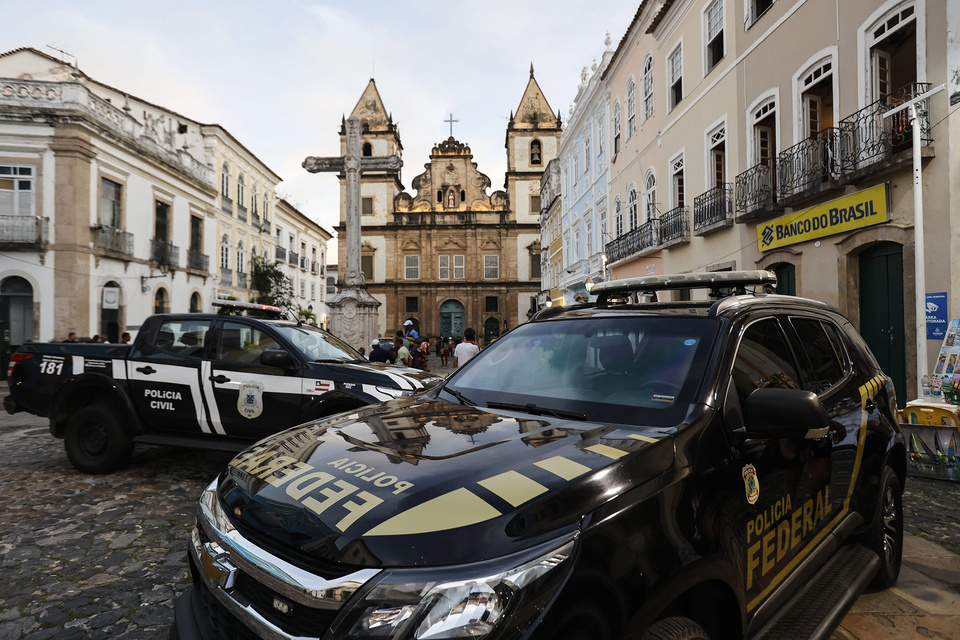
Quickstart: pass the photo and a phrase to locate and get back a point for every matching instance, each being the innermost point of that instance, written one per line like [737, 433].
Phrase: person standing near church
[404, 358]
[467, 349]
[411, 333]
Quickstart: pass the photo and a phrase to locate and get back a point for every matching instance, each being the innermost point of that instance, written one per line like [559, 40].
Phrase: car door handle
[220, 378]
[147, 370]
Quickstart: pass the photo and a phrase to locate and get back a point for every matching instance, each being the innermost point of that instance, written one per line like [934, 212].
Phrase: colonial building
[452, 254]
[551, 237]
[301, 247]
[754, 134]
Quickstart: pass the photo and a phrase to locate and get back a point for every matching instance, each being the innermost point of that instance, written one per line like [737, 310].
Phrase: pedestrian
[363, 352]
[403, 353]
[379, 354]
[71, 337]
[467, 349]
[444, 351]
[125, 338]
[410, 331]
[439, 344]
[425, 355]
[95, 338]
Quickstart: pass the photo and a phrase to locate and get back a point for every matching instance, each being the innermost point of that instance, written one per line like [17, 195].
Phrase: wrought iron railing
[280, 254]
[713, 206]
[755, 187]
[645, 236]
[293, 257]
[255, 219]
[675, 225]
[867, 137]
[198, 260]
[164, 253]
[226, 277]
[809, 164]
[241, 213]
[26, 232]
[649, 234]
[226, 205]
[113, 240]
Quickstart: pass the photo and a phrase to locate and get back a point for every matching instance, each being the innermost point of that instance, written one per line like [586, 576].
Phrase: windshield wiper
[459, 396]
[532, 408]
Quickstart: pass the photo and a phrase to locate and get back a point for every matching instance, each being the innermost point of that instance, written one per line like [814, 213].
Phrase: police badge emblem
[751, 483]
[250, 402]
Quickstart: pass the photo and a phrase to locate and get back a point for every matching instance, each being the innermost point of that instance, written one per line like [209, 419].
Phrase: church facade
[453, 254]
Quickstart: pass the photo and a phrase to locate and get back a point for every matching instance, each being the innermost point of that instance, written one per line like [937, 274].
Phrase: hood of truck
[419, 482]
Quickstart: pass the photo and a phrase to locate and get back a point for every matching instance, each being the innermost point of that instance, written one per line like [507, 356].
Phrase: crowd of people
[408, 349]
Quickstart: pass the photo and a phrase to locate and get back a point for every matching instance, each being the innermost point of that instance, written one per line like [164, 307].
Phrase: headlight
[408, 604]
[394, 392]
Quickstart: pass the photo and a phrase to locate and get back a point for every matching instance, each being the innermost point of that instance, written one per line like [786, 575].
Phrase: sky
[280, 75]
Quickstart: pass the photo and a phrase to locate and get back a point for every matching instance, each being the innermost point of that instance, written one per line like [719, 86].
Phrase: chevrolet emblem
[216, 566]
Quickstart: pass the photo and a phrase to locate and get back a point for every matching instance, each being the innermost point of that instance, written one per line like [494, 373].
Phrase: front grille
[303, 621]
[223, 625]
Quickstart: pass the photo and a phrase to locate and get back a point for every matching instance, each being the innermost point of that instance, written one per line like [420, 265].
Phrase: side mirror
[790, 414]
[277, 358]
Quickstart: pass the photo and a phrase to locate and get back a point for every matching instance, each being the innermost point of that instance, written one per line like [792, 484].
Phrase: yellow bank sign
[857, 210]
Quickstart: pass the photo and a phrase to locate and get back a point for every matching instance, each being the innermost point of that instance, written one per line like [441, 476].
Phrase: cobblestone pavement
[90, 557]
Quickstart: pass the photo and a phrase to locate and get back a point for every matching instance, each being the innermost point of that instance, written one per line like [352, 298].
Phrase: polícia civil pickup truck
[216, 381]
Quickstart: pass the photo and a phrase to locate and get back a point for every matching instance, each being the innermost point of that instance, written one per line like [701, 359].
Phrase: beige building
[753, 135]
[551, 236]
[453, 255]
[300, 246]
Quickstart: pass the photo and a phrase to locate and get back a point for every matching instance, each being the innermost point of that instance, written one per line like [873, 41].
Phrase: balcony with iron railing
[197, 260]
[24, 233]
[809, 168]
[226, 205]
[675, 227]
[713, 209]
[241, 213]
[255, 219]
[280, 255]
[164, 253]
[634, 242]
[756, 191]
[293, 258]
[226, 277]
[113, 241]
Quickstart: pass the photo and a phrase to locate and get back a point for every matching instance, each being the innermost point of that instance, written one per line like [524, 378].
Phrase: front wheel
[675, 628]
[885, 536]
[96, 441]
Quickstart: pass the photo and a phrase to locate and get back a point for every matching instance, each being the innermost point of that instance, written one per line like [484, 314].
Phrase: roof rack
[236, 308]
[625, 290]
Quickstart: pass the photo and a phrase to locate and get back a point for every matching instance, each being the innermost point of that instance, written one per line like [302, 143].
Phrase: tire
[675, 628]
[885, 535]
[96, 441]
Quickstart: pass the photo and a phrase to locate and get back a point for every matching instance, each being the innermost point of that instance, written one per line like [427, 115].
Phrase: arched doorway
[881, 310]
[195, 305]
[786, 278]
[160, 301]
[16, 318]
[111, 312]
[451, 319]
[491, 330]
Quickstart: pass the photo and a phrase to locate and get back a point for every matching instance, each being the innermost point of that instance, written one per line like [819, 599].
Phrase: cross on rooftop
[451, 121]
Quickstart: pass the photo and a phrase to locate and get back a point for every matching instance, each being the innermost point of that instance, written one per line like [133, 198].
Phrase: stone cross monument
[353, 311]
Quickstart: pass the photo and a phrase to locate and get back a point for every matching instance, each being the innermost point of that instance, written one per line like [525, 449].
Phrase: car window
[183, 337]
[764, 359]
[822, 369]
[316, 345]
[243, 343]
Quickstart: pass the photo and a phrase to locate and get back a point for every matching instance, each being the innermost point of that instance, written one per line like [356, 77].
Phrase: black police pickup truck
[217, 381]
[729, 468]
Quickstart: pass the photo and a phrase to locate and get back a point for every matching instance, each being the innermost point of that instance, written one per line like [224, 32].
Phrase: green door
[786, 279]
[881, 311]
[451, 319]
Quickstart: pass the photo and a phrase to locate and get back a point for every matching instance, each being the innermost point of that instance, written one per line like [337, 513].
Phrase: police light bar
[228, 307]
[714, 280]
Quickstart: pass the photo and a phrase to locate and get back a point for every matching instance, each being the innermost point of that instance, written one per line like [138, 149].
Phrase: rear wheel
[675, 628]
[885, 536]
[96, 441]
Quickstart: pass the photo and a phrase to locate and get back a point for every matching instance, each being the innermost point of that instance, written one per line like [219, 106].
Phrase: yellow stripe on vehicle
[643, 438]
[459, 508]
[606, 451]
[563, 467]
[513, 487]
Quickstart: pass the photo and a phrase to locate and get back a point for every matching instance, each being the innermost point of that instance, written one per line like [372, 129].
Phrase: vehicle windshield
[625, 370]
[316, 345]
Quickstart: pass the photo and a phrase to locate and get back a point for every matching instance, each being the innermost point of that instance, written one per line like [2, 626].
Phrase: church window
[367, 149]
[366, 270]
[493, 304]
[491, 267]
[648, 87]
[443, 268]
[366, 206]
[411, 267]
[616, 128]
[536, 155]
[463, 195]
[459, 270]
[535, 265]
[413, 304]
[535, 205]
[631, 108]
[440, 196]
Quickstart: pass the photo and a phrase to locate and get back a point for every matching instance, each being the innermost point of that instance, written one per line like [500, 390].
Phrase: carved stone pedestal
[353, 316]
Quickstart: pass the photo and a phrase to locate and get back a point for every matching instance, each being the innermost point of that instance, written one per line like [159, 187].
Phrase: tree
[307, 315]
[271, 284]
